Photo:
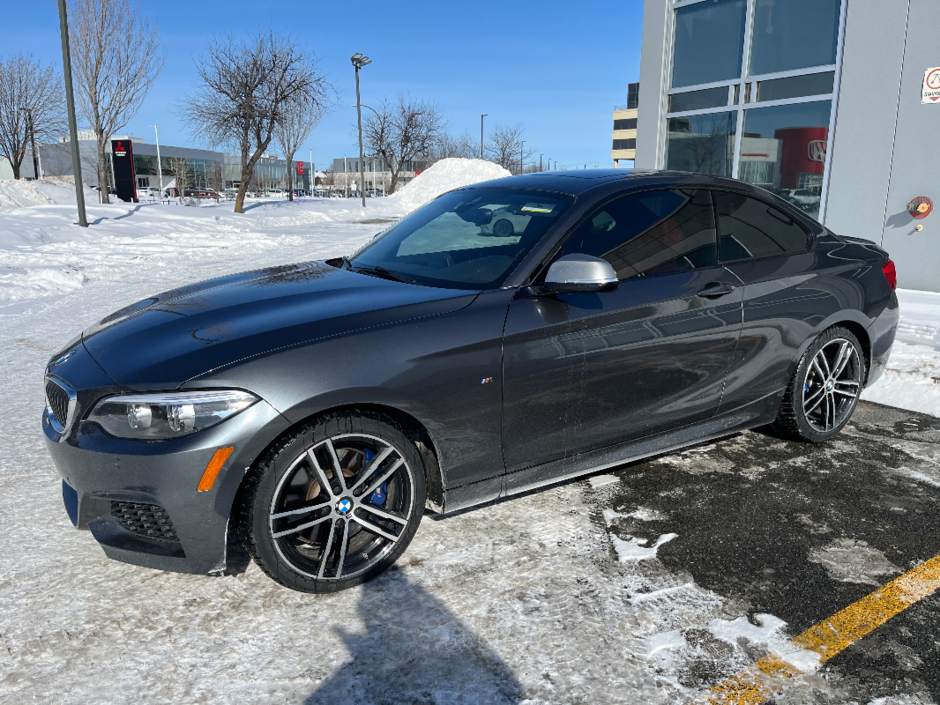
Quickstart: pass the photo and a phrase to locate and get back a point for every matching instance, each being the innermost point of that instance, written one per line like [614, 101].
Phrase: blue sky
[558, 68]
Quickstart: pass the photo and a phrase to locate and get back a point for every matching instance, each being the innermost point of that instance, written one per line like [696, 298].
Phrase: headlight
[160, 416]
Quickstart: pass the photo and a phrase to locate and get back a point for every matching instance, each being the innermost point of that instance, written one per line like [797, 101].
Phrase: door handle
[714, 290]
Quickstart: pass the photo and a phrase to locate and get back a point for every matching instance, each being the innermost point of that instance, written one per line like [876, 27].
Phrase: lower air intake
[150, 520]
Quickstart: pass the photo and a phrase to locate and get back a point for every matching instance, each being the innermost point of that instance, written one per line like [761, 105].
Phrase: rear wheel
[824, 391]
[334, 504]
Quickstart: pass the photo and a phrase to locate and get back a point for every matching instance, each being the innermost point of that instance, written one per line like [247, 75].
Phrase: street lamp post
[156, 133]
[481, 134]
[358, 60]
[540, 162]
[70, 107]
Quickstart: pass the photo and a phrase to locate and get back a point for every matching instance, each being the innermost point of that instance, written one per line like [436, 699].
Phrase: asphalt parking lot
[801, 532]
[651, 583]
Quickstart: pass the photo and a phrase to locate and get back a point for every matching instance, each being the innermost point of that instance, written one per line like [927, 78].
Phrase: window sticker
[544, 208]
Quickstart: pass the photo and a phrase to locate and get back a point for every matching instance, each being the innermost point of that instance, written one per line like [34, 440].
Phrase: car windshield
[469, 239]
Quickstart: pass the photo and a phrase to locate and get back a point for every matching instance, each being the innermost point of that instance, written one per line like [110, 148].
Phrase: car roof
[576, 181]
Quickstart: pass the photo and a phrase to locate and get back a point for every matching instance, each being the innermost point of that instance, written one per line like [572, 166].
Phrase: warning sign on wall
[931, 92]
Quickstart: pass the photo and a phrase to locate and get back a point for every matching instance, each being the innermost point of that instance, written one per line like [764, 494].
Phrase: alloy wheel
[342, 506]
[831, 385]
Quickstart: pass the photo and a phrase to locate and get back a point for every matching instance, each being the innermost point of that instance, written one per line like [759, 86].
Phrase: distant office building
[625, 117]
[205, 168]
[378, 175]
[827, 103]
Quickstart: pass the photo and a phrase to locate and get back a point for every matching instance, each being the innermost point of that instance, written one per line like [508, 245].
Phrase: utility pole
[481, 134]
[156, 133]
[70, 105]
[358, 60]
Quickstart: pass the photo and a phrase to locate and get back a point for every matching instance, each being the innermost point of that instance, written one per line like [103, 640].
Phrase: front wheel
[334, 503]
[824, 391]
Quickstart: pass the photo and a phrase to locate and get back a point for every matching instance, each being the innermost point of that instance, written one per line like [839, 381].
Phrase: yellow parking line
[833, 635]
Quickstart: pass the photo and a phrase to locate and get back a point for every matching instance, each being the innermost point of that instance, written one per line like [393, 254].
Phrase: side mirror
[579, 273]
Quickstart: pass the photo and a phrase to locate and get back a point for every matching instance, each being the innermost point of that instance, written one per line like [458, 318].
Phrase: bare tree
[244, 89]
[299, 118]
[116, 57]
[505, 147]
[328, 180]
[179, 167]
[401, 132]
[447, 146]
[31, 107]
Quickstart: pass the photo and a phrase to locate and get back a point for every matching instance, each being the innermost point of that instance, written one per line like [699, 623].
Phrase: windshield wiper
[382, 272]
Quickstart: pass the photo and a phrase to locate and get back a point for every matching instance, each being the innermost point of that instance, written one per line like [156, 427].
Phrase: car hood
[162, 341]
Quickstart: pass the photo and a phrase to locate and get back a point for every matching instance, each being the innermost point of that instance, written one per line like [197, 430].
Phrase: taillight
[891, 274]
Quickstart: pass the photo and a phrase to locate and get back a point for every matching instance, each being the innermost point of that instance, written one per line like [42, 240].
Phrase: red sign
[300, 168]
[418, 172]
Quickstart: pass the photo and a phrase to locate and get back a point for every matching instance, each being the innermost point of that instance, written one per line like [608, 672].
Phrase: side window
[750, 229]
[654, 232]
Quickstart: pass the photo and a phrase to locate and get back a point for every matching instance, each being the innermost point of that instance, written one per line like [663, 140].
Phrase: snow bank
[22, 194]
[912, 378]
[445, 176]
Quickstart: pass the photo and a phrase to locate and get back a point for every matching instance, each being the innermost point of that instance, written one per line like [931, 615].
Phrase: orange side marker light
[213, 468]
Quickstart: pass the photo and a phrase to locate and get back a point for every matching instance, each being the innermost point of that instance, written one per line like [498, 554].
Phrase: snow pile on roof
[445, 176]
[21, 193]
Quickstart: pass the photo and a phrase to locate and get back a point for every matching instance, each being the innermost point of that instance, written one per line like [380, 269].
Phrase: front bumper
[112, 477]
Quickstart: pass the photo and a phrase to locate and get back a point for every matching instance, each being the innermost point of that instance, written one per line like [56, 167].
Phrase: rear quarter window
[748, 228]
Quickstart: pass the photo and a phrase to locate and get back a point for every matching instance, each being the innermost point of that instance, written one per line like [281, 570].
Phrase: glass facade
[750, 92]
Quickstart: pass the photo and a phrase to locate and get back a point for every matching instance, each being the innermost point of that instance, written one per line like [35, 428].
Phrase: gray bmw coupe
[315, 411]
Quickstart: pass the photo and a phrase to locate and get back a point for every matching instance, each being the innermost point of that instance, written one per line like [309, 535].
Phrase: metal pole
[540, 162]
[481, 134]
[345, 176]
[70, 105]
[522, 157]
[156, 132]
[313, 174]
[362, 166]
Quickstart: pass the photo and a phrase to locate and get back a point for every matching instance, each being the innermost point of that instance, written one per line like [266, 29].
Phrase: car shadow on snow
[412, 649]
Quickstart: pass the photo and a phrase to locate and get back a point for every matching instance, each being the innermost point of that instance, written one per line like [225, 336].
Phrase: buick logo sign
[816, 150]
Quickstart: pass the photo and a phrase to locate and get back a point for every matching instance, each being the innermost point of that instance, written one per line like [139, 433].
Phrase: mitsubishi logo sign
[816, 151]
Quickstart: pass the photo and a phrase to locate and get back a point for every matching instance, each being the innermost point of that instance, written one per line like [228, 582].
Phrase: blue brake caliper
[378, 497]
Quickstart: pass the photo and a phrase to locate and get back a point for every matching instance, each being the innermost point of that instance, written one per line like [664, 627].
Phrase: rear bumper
[100, 472]
[881, 333]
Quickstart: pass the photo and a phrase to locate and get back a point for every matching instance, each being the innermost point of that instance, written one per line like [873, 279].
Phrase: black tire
[503, 228]
[318, 493]
[820, 400]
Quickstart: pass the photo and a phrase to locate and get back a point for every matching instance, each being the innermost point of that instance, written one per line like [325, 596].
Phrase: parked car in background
[319, 408]
[506, 222]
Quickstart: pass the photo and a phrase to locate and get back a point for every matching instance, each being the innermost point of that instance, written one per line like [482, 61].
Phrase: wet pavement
[799, 532]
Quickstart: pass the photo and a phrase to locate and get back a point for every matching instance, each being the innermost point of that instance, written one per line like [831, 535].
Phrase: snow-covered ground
[571, 622]
[912, 379]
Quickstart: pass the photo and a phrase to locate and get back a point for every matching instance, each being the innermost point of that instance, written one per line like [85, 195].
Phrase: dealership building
[832, 104]
[205, 168]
